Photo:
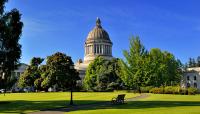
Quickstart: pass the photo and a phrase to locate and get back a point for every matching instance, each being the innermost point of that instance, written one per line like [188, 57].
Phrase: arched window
[195, 85]
[195, 78]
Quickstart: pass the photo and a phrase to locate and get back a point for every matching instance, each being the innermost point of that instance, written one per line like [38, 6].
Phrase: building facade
[191, 78]
[16, 75]
[97, 43]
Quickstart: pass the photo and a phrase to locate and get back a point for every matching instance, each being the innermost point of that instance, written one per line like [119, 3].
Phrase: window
[95, 48]
[188, 84]
[18, 74]
[188, 78]
[195, 78]
[195, 85]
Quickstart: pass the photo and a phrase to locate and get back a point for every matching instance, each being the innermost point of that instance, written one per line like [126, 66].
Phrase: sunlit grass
[29, 102]
[155, 104]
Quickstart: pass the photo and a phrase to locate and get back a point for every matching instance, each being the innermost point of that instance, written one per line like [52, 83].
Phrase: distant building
[20, 70]
[16, 74]
[191, 78]
[97, 43]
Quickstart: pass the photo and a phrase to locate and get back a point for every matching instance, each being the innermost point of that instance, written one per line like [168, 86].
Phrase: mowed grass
[31, 102]
[155, 104]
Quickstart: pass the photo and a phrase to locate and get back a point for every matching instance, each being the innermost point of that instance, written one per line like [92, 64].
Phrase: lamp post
[71, 88]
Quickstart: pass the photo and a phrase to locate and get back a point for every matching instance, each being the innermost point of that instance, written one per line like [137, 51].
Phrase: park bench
[119, 99]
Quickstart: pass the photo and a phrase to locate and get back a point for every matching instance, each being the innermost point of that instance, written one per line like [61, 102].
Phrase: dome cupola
[98, 34]
[97, 43]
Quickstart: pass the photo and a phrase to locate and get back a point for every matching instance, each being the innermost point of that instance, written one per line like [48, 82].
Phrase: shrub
[176, 89]
[156, 90]
[183, 91]
[192, 91]
[146, 89]
[169, 90]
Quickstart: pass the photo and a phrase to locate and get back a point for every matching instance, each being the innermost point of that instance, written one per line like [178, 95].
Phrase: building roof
[194, 68]
[98, 34]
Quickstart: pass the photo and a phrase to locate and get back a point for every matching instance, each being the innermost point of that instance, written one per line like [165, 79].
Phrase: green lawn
[155, 104]
[30, 102]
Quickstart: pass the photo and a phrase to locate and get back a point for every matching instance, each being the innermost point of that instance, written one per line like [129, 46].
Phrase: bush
[169, 90]
[156, 90]
[146, 89]
[192, 91]
[174, 90]
[183, 91]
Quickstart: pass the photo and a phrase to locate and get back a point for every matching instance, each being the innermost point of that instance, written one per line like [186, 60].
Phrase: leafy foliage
[103, 75]
[142, 68]
[58, 72]
[32, 74]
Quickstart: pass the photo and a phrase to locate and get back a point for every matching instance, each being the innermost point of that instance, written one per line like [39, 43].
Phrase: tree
[103, 75]
[155, 68]
[60, 72]
[166, 68]
[190, 63]
[198, 61]
[10, 32]
[32, 75]
[132, 73]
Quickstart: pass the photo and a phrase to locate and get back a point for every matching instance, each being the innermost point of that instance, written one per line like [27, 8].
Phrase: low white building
[16, 74]
[191, 78]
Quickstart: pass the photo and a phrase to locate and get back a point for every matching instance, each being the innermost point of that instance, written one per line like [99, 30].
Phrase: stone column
[89, 49]
[97, 48]
[92, 48]
[100, 49]
[110, 50]
[106, 49]
[103, 49]
[86, 49]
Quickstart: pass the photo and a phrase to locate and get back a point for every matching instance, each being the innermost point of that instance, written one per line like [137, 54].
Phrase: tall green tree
[154, 68]
[166, 69]
[132, 73]
[60, 72]
[10, 32]
[32, 74]
[103, 75]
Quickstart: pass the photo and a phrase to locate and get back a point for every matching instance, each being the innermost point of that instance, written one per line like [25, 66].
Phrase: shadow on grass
[24, 106]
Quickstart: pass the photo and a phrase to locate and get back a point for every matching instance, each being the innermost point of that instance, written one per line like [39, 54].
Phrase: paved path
[77, 107]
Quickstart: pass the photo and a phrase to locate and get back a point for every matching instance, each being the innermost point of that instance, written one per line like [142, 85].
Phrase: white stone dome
[98, 34]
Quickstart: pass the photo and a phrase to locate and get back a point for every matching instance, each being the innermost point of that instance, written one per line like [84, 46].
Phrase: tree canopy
[58, 72]
[103, 75]
[143, 68]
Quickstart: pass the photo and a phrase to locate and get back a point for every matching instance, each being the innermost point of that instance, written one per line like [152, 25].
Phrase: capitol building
[97, 43]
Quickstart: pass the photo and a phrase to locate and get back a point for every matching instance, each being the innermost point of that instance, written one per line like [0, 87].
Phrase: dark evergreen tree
[198, 61]
[10, 32]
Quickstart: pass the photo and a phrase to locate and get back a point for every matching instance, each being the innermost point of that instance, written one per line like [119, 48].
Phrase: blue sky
[51, 26]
